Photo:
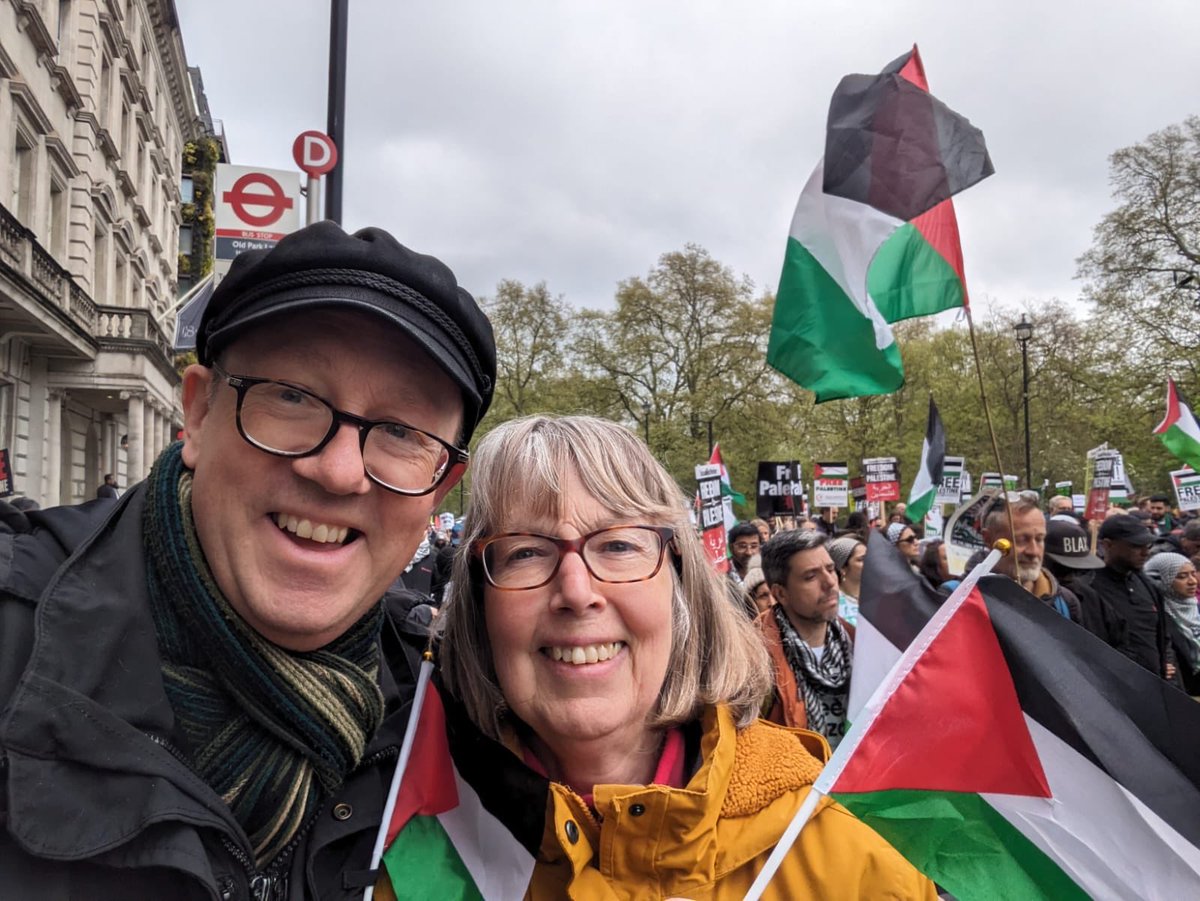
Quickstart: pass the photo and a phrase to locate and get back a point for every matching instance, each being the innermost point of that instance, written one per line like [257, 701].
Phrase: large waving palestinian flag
[874, 239]
[1178, 430]
[1018, 756]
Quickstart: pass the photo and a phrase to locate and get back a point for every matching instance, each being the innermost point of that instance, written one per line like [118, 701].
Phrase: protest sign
[1062, 489]
[964, 531]
[712, 514]
[6, 475]
[831, 482]
[1121, 487]
[778, 489]
[858, 493]
[882, 476]
[1100, 473]
[1187, 488]
[995, 480]
[951, 489]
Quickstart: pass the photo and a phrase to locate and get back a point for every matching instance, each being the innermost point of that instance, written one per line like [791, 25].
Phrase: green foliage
[200, 160]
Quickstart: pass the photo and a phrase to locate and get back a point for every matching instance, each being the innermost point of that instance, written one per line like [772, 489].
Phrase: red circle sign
[314, 152]
[275, 201]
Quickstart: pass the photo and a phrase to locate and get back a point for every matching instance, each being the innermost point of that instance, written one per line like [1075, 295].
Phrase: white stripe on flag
[874, 657]
[499, 864]
[1104, 838]
[843, 236]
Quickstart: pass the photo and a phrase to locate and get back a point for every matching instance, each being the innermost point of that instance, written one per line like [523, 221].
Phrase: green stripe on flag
[422, 863]
[960, 842]
[908, 278]
[821, 340]
[920, 506]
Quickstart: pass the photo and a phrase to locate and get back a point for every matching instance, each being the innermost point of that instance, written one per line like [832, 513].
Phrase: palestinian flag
[728, 495]
[874, 239]
[443, 841]
[831, 471]
[1178, 430]
[1013, 754]
[929, 473]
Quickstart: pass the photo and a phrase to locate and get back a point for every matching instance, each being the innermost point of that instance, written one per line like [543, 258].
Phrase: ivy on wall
[200, 160]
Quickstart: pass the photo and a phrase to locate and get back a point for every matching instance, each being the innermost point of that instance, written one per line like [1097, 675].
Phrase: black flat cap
[1124, 527]
[322, 267]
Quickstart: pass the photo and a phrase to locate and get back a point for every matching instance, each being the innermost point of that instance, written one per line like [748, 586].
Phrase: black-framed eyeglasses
[516, 561]
[289, 421]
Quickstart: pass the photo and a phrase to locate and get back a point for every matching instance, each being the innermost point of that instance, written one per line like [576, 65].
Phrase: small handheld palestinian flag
[441, 838]
[874, 238]
[1012, 754]
[929, 473]
[1179, 430]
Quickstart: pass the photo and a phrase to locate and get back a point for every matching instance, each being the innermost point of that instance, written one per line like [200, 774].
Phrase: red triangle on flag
[953, 724]
[427, 787]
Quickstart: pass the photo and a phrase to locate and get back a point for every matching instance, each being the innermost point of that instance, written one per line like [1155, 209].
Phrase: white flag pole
[410, 733]
[849, 744]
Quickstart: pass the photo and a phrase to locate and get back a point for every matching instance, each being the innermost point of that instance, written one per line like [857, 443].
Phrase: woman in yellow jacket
[612, 686]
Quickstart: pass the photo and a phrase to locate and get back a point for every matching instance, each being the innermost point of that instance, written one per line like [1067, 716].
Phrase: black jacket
[93, 802]
[1126, 610]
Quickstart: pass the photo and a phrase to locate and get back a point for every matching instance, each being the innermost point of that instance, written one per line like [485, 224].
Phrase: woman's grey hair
[520, 469]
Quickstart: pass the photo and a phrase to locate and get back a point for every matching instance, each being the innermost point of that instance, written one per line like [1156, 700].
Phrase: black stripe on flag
[898, 148]
[497, 777]
[1127, 721]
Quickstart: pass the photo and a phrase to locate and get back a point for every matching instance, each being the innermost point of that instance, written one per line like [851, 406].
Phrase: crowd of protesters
[1133, 585]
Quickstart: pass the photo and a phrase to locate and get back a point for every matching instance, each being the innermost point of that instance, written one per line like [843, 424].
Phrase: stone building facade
[96, 104]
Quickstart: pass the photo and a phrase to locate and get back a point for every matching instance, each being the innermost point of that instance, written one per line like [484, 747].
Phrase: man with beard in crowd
[1027, 532]
[811, 649]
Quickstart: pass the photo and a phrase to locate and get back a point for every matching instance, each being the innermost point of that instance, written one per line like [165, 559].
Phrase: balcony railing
[125, 327]
[21, 250]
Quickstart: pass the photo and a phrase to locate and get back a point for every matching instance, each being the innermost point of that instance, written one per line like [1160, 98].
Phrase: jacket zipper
[269, 884]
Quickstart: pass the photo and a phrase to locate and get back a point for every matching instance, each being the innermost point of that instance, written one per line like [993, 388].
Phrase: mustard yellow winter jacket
[710, 839]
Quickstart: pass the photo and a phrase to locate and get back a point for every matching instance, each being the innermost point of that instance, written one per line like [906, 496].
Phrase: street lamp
[646, 420]
[1024, 331]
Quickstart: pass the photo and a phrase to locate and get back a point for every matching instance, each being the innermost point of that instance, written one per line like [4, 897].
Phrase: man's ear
[453, 477]
[197, 388]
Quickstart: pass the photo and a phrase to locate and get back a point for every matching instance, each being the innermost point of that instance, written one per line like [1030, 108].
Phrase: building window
[120, 295]
[185, 239]
[100, 267]
[58, 219]
[105, 92]
[187, 190]
[23, 186]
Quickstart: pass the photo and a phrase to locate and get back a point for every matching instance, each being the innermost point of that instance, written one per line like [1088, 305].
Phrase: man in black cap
[1069, 559]
[1130, 615]
[202, 695]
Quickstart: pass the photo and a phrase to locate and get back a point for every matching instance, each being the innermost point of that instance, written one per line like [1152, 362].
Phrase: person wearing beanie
[202, 691]
[1175, 575]
[847, 554]
[901, 534]
[757, 590]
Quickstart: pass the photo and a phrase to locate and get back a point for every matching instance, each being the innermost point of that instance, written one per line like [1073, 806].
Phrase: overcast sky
[575, 142]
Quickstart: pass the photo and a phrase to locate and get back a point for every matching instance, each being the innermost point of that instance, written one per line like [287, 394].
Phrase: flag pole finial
[1003, 545]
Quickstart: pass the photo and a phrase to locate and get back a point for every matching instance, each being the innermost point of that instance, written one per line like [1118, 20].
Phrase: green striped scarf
[272, 731]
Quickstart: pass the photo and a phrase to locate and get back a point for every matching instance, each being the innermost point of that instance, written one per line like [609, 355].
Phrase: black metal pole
[1025, 395]
[710, 441]
[336, 128]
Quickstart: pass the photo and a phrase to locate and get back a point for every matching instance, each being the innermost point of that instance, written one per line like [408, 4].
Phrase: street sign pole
[312, 190]
[338, 26]
[316, 154]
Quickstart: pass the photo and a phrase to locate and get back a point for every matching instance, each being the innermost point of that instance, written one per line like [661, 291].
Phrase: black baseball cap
[322, 267]
[1124, 527]
[1067, 544]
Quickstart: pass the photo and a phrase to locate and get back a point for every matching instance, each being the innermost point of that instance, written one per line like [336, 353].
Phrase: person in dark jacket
[109, 488]
[202, 694]
[1129, 614]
